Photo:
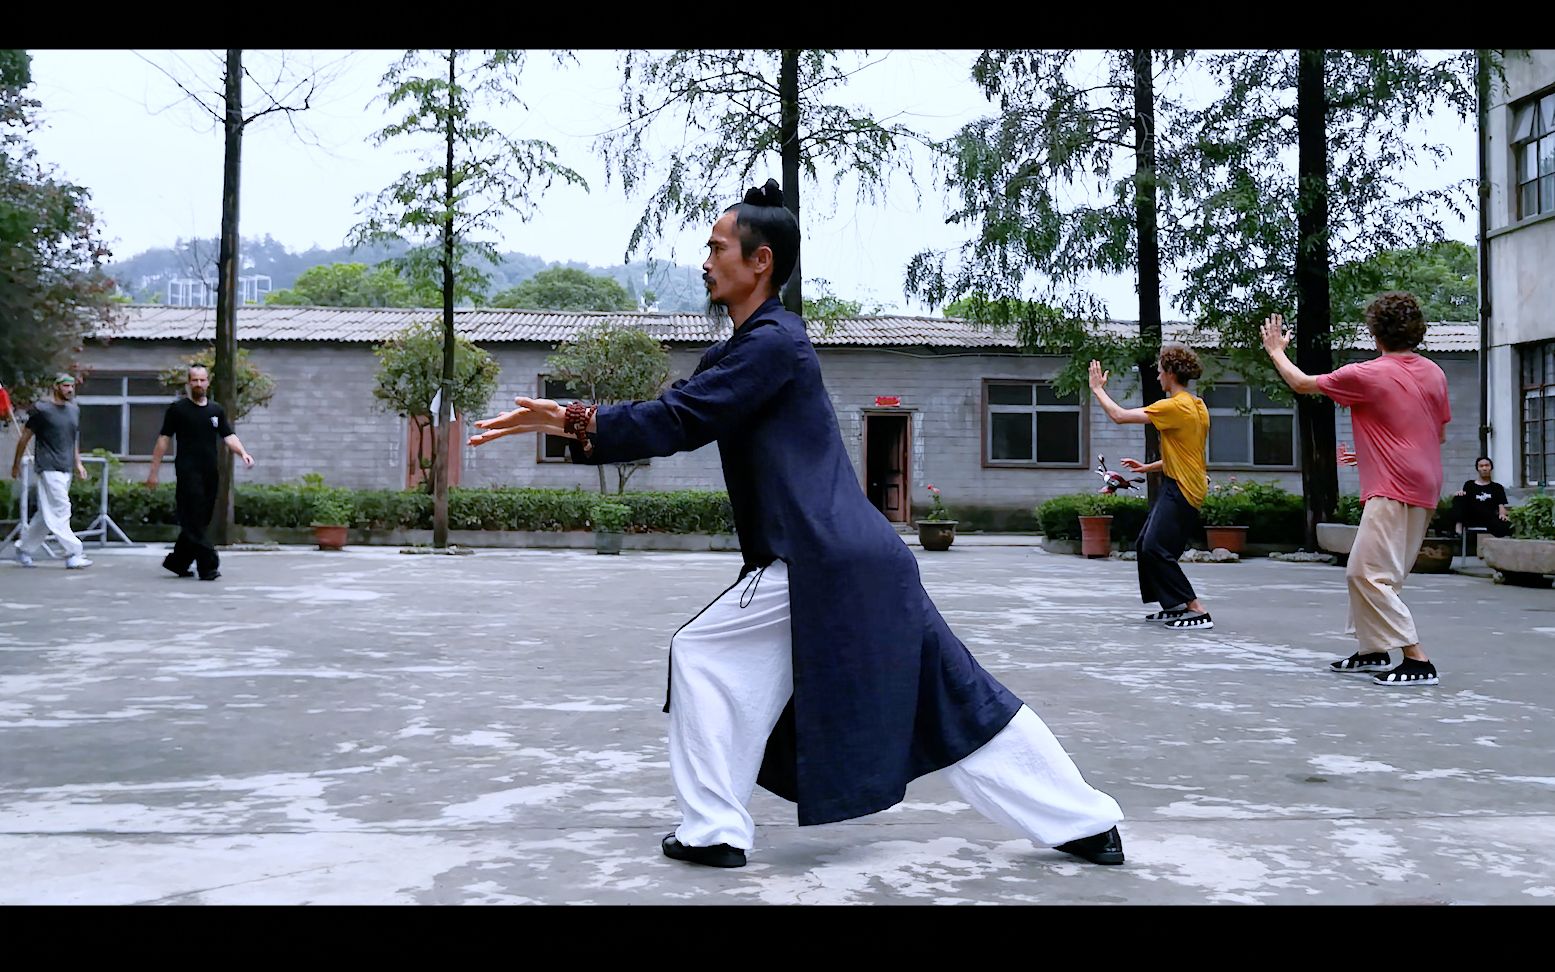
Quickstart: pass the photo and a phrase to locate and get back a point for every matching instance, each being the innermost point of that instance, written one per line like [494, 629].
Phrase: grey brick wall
[324, 419]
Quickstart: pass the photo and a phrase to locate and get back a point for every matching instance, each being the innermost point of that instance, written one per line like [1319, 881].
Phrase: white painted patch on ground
[1338, 764]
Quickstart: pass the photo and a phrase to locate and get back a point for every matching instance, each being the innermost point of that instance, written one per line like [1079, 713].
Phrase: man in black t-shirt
[199, 424]
[1481, 503]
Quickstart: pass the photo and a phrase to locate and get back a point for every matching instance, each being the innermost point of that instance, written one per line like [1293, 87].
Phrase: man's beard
[717, 312]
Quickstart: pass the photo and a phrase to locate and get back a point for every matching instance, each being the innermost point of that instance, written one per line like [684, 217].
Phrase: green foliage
[1443, 276]
[255, 388]
[826, 308]
[15, 70]
[347, 285]
[726, 108]
[1060, 516]
[410, 371]
[567, 289]
[130, 503]
[1242, 234]
[52, 286]
[1534, 518]
[332, 507]
[610, 517]
[493, 173]
[1349, 510]
[1050, 186]
[608, 362]
[1271, 513]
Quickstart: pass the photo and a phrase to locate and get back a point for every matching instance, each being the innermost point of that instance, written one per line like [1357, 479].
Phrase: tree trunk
[445, 407]
[788, 93]
[1314, 352]
[224, 382]
[1149, 249]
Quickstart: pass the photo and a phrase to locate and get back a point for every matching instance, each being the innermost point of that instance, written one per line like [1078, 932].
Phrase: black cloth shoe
[211, 576]
[186, 572]
[1409, 672]
[1376, 661]
[1099, 849]
[718, 855]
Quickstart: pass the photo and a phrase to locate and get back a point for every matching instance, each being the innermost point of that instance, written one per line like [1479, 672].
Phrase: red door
[419, 446]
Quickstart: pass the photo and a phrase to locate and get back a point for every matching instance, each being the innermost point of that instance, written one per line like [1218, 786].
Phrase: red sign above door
[892, 401]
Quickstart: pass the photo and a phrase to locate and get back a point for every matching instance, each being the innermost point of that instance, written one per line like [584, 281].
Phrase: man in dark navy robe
[824, 673]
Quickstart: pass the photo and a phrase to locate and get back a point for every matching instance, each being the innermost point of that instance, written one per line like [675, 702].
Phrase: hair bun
[770, 194]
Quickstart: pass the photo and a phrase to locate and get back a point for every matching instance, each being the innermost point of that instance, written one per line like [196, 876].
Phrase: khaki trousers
[1385, 549]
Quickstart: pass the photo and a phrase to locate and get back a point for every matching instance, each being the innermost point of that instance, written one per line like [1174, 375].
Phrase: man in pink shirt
[1398, 405]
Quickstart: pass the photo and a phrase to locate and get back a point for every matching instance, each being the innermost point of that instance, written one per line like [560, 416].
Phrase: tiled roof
[155, 322]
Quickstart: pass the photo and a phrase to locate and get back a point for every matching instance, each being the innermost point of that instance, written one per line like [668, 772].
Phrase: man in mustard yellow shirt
[1183, 422]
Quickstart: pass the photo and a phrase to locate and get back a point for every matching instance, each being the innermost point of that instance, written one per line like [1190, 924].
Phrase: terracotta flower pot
[937, 534]
[1233, 538]
[329, 537]
[1095, 536]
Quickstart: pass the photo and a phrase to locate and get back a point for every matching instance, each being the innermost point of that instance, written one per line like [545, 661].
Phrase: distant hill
[145, 276]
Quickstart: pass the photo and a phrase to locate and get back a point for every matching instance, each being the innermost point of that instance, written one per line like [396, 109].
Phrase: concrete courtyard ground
[368, 727]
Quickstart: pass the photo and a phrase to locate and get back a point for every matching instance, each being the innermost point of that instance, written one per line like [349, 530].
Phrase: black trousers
[1172, 521]
[1493, 524]
[196, 498]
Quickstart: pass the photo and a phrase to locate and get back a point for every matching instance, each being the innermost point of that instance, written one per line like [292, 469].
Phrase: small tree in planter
[936, 530]
[610, 520]
[607, 362]
[1527, 557]
[331, 516]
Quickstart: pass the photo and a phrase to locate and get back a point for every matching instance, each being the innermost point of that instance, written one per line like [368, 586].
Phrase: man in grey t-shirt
[56, 426]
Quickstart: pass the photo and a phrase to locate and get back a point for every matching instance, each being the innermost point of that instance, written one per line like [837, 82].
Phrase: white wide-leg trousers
[731, 675]
[51, 516]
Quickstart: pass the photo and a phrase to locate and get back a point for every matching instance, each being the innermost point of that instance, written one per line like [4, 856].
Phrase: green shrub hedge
[131, 504]
[1534, 518]
[1349, 510]
[1060, 516]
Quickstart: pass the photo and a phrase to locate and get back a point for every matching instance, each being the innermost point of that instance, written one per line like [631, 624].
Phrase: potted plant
[610, 520]
[331, 516]
[1440, 545]
[1095, 528]
[1527, 557]
[936, 530]
[1225, 516]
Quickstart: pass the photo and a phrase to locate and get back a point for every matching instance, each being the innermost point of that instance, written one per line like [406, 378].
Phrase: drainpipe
[1483, 83]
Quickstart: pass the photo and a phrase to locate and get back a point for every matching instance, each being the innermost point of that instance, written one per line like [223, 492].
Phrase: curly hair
[1180, 361]
[1396, 321]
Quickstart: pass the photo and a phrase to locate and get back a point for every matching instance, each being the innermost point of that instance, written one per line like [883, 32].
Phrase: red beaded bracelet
[576, 423]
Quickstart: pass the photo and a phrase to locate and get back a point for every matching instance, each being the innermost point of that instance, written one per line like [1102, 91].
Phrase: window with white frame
[1538, 413]
[1533, 145]
[1248, 428]
[1027, 423]
[122, 411]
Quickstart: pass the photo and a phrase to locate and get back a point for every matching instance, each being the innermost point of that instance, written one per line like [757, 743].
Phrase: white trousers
[51, 516]
[731, 675]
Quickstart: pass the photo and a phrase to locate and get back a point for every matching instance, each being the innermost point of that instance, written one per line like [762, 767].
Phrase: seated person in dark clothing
[1481, 503]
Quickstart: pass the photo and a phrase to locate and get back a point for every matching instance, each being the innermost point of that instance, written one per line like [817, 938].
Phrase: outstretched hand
[1273, 333]
[1345, 455]
[1133, 465]
[1098, 376]
[532, 415]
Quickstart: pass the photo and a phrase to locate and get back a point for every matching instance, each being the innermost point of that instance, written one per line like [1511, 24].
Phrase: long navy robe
[883, 691]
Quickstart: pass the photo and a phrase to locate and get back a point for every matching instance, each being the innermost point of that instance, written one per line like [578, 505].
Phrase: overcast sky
[119, 126]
